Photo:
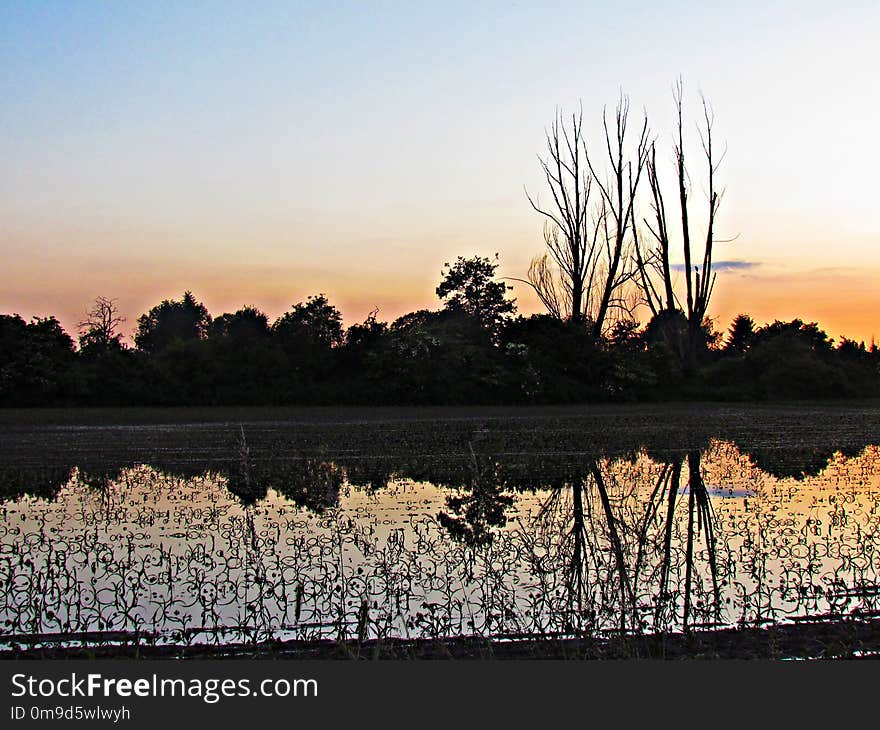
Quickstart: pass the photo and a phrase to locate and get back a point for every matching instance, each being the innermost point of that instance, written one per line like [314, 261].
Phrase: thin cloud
[724, 265]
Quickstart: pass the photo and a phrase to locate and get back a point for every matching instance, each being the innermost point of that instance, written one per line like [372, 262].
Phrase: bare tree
[655, 262]
[563, 276]
[585, 266]
[655, 276]
[618, 196]
[101, 324]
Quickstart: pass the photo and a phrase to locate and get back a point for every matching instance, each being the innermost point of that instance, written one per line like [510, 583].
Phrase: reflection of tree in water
[481, 508]
[310, 482]
[373, 474]
[793, 462]
[43, 483]
[608, 545]
[619, 545]
[244, 479]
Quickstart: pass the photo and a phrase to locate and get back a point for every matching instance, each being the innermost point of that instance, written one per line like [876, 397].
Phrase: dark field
[798, 434]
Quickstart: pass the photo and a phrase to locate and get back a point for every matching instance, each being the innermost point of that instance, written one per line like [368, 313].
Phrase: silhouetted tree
[469, 286]
[852, 350]
[100, 327]
[618, 195]
[315, 322]
[247, 324]
[554, 360]
[248, 365]
[360, 360]
[796, 331]
[698, 273]
[367, 334]
[36, 359]
[438, 357]
[741, 335]
[170, 321]
[561, 277]
[582, 274]
[108, 373]
[309, 334]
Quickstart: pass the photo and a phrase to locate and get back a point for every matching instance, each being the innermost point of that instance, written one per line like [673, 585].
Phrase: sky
[257, 153]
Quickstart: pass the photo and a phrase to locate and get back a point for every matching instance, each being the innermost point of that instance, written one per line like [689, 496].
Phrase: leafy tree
[785, 360]
[412, 320]
[367, 334]
[469, 286]
[359, 356]
[247, 324]
[309, 335]
[438, 357]
[670, 331]
[796, 333]
[314, 323]
[248, 365]
[36, 359]
[170, 321]
[554, 360]
[852, 350]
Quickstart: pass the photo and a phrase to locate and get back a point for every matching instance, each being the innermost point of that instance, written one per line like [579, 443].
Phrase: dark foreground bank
[817, 638]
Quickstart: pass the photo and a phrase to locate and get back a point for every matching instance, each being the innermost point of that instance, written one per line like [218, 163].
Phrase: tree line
[623, 240]
[474, 348]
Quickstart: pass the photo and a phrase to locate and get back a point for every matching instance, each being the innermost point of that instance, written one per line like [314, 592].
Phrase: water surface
[492, 527]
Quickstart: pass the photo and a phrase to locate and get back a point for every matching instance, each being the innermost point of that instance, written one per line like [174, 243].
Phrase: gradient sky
[259, 152]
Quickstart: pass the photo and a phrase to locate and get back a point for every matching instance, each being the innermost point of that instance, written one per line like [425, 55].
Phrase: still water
[505, 544]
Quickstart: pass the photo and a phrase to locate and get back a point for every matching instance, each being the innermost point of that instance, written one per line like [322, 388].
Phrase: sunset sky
[259, 152]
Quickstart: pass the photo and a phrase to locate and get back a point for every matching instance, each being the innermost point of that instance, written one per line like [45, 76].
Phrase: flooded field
[501, 525]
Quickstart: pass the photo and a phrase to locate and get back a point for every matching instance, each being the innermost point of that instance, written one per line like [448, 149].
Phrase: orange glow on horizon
[844, 302]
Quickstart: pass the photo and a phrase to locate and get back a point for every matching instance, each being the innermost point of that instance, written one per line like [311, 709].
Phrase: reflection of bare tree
[699, 505]
[574, 549]
[614, 539]
[621, 538]
[699, 520]
[581, 547]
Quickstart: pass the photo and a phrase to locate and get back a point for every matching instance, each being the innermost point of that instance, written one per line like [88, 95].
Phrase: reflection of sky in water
[184, 559]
